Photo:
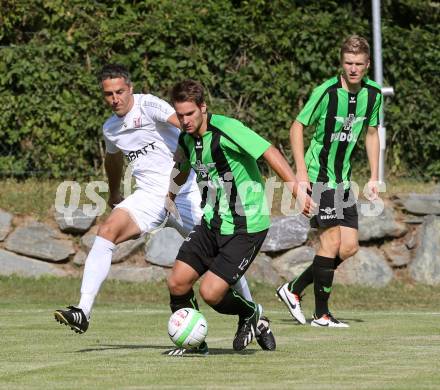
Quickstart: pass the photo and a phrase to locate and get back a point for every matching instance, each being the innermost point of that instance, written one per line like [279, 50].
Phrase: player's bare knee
[331, 246]
[173, 286]
[209, 295]
[106, 230]
[347, 251]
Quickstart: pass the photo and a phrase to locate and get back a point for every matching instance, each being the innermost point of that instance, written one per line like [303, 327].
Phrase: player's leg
[188, 205]
[349, 242]
[118, 227]
[217, 293]
[236, 253]
[135, 215]
[187, 268]
[349, 233]
[290, 293]
[339, 239]
[242, 287]
[323, 272]
[180, 285]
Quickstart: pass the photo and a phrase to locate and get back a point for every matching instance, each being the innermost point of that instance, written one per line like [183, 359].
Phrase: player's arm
[281, 167]
[179, 174]
[113, 165]
[177, 180]
[297, 144]
[172, 120]
[372, 146]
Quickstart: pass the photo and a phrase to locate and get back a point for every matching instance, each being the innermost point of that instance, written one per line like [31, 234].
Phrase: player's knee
[107, 230]
[175, 286]
[209, 295]
[332, 245]
[348, 250]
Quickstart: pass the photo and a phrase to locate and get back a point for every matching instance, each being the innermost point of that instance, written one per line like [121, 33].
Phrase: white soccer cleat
[328, 321]
[292, 302]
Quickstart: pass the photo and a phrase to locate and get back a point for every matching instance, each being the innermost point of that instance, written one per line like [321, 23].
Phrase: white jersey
[148, 142]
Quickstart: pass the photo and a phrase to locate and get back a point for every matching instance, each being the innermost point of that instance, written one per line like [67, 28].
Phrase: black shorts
[334, 209]
[227, 256]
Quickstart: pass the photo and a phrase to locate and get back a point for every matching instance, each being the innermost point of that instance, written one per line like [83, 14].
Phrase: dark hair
[355, 44]
[114, 71]
[188, 91]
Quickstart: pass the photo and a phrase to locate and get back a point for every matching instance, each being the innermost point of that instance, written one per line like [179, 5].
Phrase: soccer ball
[187, 328]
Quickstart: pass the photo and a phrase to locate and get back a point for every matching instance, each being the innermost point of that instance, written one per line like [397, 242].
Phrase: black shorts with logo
[332, 210]
[227, 256]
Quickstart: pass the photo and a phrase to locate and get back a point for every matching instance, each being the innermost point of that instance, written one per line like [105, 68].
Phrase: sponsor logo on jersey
[344, 137]
[203, 169]
[134, 154]
[137, 122]
[349, 121]
[346, 134]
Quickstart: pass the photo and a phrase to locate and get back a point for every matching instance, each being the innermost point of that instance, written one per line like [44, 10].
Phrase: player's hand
[372, 190]
[171, 208]
[114, 199]
[305, 201]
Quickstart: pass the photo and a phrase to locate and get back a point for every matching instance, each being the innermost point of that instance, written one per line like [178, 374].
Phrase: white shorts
[148, 210]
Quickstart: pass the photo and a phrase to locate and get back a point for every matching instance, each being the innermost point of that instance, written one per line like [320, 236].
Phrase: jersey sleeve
[376, 112]
[110, 147]
[312, 110]
[243, 138]
[157, 109]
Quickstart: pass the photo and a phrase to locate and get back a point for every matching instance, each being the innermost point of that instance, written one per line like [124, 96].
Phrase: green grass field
[393, 342]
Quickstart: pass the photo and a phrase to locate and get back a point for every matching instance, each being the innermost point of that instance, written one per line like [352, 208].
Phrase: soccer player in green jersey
[223, 153]
[339, 109]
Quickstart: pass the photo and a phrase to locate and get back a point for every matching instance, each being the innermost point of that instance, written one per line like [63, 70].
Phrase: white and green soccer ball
[187, 328]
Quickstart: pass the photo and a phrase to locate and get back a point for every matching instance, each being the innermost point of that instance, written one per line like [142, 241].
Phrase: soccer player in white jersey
[144, 130]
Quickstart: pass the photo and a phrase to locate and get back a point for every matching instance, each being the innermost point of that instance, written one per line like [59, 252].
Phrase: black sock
[338, 261]
[234, 303]
[181, 301]
[323, 272]
[298, 285]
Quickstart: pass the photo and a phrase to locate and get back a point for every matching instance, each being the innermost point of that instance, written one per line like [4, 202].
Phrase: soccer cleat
[73, 317]
[327, 320]
[264, 335]
[202, 349]
[247, 329]
[292, 301]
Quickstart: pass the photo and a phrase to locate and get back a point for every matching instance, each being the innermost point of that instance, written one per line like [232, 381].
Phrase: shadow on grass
[212, 351]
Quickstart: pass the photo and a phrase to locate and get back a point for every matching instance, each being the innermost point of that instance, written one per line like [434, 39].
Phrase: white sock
[96, 269]
[243, 289]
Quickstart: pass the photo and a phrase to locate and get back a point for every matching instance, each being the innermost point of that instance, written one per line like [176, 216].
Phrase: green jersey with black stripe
[339, 118]
[224, 158]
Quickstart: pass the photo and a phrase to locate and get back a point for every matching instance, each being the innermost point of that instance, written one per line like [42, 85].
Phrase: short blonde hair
[355, 44]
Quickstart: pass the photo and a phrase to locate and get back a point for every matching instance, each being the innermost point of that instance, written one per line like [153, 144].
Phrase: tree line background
[259, 61]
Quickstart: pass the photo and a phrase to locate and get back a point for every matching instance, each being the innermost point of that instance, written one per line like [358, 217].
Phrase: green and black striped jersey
[224, 158]
[339, 118]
